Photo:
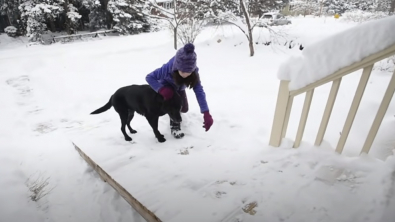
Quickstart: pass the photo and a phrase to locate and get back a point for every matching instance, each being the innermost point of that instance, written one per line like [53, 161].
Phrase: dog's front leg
[153, 121]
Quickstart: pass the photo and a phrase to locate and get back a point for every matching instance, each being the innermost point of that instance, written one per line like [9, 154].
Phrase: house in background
[166, 4]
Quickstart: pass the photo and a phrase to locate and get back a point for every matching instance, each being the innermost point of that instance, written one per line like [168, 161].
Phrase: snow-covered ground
[47, 93]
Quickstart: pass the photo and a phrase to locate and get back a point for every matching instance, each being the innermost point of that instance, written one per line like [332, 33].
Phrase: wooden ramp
[139, 207]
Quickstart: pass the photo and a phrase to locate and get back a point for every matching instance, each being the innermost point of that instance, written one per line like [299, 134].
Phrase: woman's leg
[176, 127]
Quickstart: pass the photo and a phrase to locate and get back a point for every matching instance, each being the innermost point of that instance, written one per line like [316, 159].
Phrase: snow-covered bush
[127, 17]
[157, 25]
[97, 15]
[73, 18]
[305, 7]
[11, 31]
[342, 6]
[362, 16]
[34, 16]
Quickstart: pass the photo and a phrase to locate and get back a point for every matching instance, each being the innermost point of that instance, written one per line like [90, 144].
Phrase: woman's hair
[189, 81]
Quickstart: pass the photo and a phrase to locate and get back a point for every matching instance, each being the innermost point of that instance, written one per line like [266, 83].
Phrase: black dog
[145, 101]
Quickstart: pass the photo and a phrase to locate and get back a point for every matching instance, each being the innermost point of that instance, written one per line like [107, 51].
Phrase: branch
[180, 21]
[157, 17]
[160, 8]
[235, 24]
[175, 13]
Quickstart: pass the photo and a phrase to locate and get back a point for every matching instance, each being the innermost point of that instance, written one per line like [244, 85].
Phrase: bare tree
[175, 17]
[321, 6]
[222, 13]
[236, 12]
[190, 29]
[249, 28]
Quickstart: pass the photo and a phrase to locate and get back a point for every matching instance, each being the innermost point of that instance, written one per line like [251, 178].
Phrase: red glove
[166, 92]
[208, 120]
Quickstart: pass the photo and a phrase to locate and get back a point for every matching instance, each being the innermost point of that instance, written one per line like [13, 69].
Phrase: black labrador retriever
[146, 102]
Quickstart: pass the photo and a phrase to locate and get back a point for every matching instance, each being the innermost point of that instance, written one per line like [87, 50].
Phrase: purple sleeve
[200, 96]
[154, 78]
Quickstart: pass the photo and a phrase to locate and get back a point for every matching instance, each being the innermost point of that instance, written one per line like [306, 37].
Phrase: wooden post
[380, 115]
[287, 115]
[328, 111]
[283, 107]
[354, 107]
[303, 118]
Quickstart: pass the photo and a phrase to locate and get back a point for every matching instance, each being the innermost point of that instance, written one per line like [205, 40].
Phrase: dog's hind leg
[130, 117]
[153, 121]
[123, 114]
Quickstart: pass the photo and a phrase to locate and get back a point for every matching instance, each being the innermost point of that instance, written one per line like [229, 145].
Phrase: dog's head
[173, 107]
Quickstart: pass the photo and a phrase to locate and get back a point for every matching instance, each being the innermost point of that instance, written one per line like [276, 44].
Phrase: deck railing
[285, 100]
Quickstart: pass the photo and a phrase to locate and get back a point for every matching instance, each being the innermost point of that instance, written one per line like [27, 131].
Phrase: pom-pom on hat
[185, 59]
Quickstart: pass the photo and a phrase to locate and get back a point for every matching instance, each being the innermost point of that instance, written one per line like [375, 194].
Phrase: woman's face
[184, 74]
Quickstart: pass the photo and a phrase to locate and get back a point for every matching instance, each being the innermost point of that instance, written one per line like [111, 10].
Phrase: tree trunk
[51, 24]
[104, 4]
[8, 17]
[67, 20]
[247, 18]
[305, 11]
[176, 23]
[392, 9]
[109, 19]
[82, 24]
[321, 4]
[175, 38]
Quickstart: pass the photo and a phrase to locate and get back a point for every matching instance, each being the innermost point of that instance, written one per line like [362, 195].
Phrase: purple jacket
[163, 77]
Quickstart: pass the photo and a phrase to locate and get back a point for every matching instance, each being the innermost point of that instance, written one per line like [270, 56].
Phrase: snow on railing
[328, 61]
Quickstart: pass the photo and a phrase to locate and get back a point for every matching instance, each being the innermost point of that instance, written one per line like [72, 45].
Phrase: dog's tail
[104, 108]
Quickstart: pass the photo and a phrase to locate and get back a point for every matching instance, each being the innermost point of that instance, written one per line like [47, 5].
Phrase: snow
[337, 51]
[74, 16]
[361, 16]
[47, 93]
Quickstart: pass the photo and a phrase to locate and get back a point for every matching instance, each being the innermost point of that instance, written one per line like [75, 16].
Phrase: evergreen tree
[128, 16]
[35, 15]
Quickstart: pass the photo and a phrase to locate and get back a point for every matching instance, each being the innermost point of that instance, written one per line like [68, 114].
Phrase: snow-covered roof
[327, 56]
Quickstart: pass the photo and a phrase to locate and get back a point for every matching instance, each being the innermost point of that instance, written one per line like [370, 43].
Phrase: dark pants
[184, 109]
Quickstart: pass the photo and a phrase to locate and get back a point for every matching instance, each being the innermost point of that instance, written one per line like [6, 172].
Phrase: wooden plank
[354, 107]
[279, 114]
[139, 207]
[287, 116]
[380, 115]
[328, 111]
[303, 117]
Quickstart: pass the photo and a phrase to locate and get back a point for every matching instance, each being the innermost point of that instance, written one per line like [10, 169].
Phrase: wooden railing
[285, 100]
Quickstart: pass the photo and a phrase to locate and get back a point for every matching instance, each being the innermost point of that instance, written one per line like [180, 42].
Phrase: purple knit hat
[185, 59]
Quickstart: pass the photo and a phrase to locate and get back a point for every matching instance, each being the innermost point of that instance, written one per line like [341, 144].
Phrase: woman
[179, 73]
